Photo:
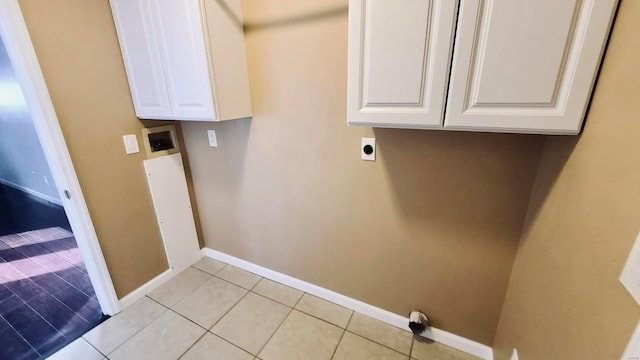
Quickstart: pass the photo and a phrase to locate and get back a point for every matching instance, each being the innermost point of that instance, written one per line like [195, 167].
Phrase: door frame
[15, 35]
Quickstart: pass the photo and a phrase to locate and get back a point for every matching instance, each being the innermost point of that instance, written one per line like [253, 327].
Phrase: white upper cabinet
[399, 55]
[142, 58]
[526, 66]
[517, 66]
[179, 56]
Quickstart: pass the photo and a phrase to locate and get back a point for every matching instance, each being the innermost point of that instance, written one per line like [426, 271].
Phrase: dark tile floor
[46, 298]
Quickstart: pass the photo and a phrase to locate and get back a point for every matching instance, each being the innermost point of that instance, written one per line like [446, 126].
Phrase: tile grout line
[192, 345]
[291, 309]
[270, 299]
[413, 341]
[344, 331]
[47, 292]
[299, 299]
[212, 274]
[228, 311]
[49, 271]
[240, 286]
[167, 308]
[19, 334]
[73, 311]
[275, 331]
[376, 342]
[319, 318]
[154, 319]
[182, 316]
[364, 337]
[135, 333]
[289, 313]
[279, 302]
[229, 342]
[350, 319]
[270, 338]
[42, 317]
[185, 295]
[90, 344]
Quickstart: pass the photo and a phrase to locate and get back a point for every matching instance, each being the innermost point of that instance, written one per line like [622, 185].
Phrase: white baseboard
[145, 289]
[33, 193]
[441, 336]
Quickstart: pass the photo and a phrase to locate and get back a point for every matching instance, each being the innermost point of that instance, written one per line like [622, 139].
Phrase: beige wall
[76, 45]
[433, 224]
[564, 299]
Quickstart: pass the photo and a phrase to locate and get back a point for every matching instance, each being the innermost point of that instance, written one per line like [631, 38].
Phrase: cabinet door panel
[181, 39]
[398, 61]
[526, 66]
[141, 58]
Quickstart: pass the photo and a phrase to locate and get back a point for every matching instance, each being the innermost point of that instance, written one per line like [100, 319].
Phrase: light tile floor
[216, 311]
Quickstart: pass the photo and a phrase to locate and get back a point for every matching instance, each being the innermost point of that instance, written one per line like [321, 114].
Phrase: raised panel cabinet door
[136, 34]
[526, 66]
[399, 56]
[186, 63]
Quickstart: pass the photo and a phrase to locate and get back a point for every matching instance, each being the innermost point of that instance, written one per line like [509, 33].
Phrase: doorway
[32, 238]
[46, 296]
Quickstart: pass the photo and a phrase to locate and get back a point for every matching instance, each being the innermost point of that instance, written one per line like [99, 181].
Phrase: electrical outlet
[630, 276]
[633, 348]
[213, 140]
[131, 144]
[368, 149]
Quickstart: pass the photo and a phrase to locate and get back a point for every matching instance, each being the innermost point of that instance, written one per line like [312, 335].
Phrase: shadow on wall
[6, 214]
[229, 158]
[20, 212]
[478, 181]
[298, 19]
[561, 147]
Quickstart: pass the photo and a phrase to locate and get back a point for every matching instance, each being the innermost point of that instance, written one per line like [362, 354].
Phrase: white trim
[31, 192]
[15, 35]
[514, 355]
[401, 322]
[145, 289]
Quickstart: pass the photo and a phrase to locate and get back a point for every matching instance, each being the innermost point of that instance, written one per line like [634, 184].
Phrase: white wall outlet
[633, 348]
[213, 140]
[368, 149]
[630, 276]
[131, 144]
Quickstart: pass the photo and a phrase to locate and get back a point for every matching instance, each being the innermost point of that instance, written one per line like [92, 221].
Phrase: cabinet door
[399, 54]
[526, 66]
[186, 65]
[141, 56]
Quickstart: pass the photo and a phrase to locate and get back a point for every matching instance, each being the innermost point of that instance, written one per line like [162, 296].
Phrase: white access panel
[170, 196]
